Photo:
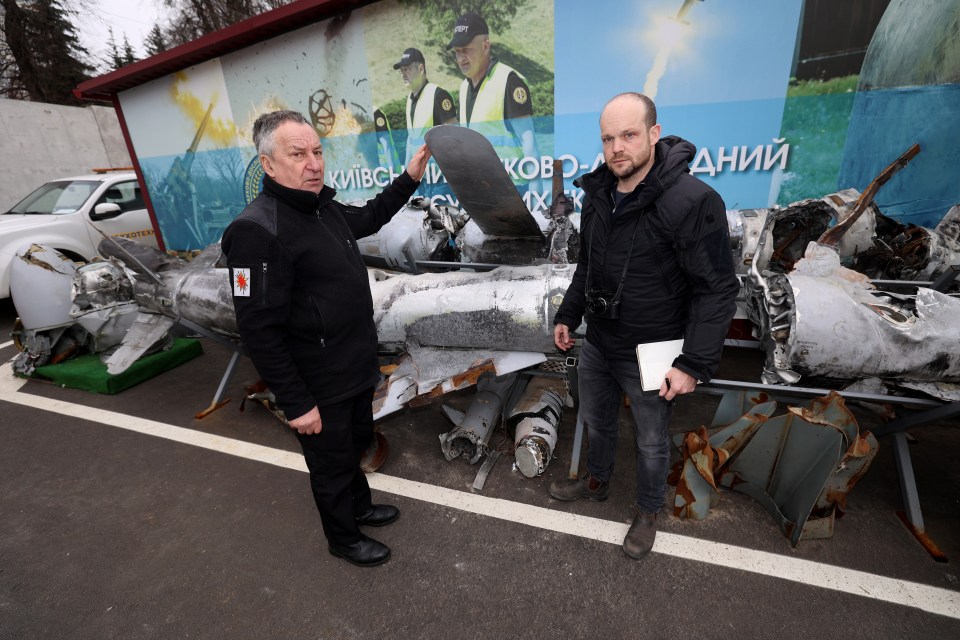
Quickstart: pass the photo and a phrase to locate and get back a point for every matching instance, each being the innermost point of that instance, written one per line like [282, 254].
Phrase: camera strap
[626, 263]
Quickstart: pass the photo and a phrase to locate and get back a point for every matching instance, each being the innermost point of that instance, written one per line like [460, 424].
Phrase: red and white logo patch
[241, 282]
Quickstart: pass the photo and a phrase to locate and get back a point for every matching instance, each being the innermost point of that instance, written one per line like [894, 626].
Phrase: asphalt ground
[124, 517]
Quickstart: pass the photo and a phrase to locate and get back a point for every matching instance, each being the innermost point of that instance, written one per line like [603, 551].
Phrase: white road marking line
[6, 344]
[909, 594]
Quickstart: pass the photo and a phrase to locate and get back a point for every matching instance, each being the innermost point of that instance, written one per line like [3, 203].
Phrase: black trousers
[333, 456]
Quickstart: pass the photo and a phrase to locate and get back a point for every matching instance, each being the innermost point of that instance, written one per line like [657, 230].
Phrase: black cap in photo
[409, 56]
[469, 26]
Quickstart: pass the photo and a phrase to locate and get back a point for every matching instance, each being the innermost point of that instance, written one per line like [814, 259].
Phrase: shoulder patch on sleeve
[520, 95]
[240, 276]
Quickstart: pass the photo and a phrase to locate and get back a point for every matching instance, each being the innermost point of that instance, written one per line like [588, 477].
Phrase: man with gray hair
[305, 314]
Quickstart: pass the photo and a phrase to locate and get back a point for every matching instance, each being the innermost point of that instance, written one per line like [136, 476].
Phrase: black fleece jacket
[680, 281]
[307, 322]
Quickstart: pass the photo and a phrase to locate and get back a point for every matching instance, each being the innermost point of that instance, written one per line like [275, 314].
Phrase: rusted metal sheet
[802, 465]
[833, 236]
[704, 456]
[733, 404]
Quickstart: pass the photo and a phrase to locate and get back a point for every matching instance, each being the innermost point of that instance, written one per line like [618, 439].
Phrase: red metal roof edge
[252, 30]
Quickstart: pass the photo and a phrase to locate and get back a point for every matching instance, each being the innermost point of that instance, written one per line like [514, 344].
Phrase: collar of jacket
[298, 199]
[672, 155]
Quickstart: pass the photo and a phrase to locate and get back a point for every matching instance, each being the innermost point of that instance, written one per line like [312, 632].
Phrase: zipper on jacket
[346, 241]
[263, 284]
[323, 325]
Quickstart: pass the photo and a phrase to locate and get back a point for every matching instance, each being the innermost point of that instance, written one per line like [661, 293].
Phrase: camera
[603, 304]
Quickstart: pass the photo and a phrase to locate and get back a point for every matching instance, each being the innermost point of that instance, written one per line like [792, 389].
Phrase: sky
[133, 18]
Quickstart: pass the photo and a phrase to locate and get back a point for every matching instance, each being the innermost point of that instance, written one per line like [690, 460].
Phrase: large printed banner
[722, 72]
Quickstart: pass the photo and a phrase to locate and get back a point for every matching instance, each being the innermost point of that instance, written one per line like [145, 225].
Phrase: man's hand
[677, 383]
[418, 163]
[561, 337]
[308, 423]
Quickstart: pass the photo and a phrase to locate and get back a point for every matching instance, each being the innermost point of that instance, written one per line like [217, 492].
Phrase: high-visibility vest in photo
[419, 118]
[487, 114]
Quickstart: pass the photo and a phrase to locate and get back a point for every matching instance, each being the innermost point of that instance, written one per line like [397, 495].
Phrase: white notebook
[655, 359]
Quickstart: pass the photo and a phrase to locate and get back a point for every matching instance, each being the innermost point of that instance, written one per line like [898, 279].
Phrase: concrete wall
[41, 142]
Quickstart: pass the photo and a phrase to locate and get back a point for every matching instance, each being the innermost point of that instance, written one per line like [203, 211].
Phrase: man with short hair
[305, 314]
[655, 265]
[494, 98]
[427, 103]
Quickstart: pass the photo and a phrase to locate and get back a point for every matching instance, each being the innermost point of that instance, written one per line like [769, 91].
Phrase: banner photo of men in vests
[782, 100]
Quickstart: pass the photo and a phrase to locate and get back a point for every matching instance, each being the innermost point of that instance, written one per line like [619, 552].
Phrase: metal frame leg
[222, 388]
[227, 374]
[577, 443]
[908, 483]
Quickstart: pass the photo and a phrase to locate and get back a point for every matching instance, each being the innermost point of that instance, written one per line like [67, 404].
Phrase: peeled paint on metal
[696, 491]
[825, 320]
[841, 330]
[40, 283]
[800, 470]
[507, 306]
[473, 429]
[733, 404]
[408, 232]
[948, 391]
[817, 318]
[535, 418]
[704, 457]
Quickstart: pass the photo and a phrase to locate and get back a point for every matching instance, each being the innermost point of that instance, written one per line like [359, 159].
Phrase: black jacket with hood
[307, 321]
[680, 281]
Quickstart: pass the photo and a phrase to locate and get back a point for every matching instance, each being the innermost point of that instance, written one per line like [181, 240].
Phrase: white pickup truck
[65, 214]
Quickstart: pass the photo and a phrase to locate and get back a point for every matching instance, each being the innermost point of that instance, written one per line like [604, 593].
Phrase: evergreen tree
[156, 42]
[114, 60]
[194, 18]
[129, 57]
[116, 57]
[48, 61]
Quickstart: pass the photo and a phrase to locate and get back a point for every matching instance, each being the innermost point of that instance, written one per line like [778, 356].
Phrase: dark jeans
[602, 385]
[333, 458]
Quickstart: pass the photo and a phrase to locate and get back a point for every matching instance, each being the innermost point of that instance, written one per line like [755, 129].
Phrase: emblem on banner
[252, 180]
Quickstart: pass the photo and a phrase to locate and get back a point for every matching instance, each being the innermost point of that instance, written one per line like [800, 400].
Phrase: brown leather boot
[585, 487]
[640, 537]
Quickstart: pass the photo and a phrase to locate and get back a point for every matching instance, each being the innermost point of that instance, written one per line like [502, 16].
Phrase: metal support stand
[577, 444]
[237, 350]
[908, 483]
[911, 515]
[217, 401]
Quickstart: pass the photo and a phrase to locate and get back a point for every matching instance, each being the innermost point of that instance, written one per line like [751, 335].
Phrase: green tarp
[88, 373]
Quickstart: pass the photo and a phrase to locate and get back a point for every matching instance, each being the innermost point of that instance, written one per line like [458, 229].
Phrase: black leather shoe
[379, 515]
[365, 553]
